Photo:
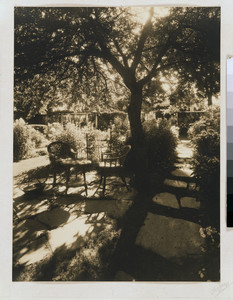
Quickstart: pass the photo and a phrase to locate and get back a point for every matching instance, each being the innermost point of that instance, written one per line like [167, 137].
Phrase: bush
[26, 140]
[161, 145]
[70, 135]
[205, 135]
[209, 120]
[21, 140]
[53, 129]
[120, 131]
[36, 137]
[85, 141]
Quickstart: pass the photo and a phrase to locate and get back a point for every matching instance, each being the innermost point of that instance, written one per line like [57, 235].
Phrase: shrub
[36, 137]
[21, 140]
[209, 120]
[205, 135]
[53, 129]
[161, 144]
[94, 139]
[120, 131]
[70, 135]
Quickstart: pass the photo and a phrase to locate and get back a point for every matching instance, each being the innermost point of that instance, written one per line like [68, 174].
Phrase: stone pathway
[44, 225]
[164, 243]
[172, 241]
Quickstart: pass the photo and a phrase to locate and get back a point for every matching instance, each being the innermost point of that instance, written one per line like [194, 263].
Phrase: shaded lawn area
[103, 243]
[66, 237]
[74, 238]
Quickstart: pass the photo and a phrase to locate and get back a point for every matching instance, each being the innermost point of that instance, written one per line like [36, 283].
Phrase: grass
[90, 263]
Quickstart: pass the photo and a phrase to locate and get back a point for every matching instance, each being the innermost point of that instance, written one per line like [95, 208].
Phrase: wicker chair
[58, 151]
[113, 164]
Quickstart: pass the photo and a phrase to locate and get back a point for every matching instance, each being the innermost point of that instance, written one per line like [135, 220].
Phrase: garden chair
[113, 164]
[57, 151]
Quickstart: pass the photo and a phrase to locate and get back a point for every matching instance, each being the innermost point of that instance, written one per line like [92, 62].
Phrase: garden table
[80, 165]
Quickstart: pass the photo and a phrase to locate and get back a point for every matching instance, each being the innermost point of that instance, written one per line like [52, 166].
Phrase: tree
[87, 44]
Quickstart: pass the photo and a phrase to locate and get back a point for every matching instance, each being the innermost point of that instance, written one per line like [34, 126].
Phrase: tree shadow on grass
[79, 250]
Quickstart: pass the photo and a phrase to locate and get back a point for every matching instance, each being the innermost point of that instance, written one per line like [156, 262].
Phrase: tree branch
[141, 42]
[154, 70]
[121, 53]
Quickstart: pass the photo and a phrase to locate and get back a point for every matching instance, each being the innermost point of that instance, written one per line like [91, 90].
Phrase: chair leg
[100, 182]
[124, 181]
[104, 185]
[85, 183]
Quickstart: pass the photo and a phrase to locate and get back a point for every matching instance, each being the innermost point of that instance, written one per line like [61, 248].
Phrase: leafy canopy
[105, 53]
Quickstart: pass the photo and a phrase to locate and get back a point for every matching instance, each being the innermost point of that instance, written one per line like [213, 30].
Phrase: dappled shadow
[113, 208]
[180, 262]
[146, 265]
[84, 239]
[72, 247]
[25, 207]
[30, 236]
[185, 213]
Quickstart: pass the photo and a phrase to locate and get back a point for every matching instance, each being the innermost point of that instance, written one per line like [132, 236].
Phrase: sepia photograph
[116, 144]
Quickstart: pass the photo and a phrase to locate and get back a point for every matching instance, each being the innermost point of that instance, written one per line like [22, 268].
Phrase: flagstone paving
[176, 183]
[166, 199]
[44, 224]
[174, 239]
[169, 237]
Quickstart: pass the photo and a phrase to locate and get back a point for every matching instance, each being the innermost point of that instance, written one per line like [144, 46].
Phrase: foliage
[21, 140]
[72, 136]
[36, 137]
[86, 141]
[119, 133]
[161, 144]
[93, 52]
[92, 262]
[211, 250]
[26, 140]
[94, 139]
[52, 129]
[205, 135]
[210, 120]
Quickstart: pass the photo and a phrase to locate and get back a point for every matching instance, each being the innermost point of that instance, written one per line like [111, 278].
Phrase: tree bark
[134, 113]
[139, 159]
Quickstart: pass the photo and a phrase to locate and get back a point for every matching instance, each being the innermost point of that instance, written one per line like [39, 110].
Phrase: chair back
[115, 159]
[123, 154]
[58, 150]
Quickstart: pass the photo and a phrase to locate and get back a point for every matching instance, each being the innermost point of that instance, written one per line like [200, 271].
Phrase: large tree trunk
[134, 112]
[139, 160]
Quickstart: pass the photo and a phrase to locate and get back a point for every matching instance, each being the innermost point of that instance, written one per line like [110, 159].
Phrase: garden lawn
[28, 164]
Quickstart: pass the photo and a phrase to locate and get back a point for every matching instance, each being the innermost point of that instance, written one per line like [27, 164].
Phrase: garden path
[170, 243]
[162, 239]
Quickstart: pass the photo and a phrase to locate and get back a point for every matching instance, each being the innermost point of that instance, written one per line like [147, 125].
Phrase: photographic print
[116, 144]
